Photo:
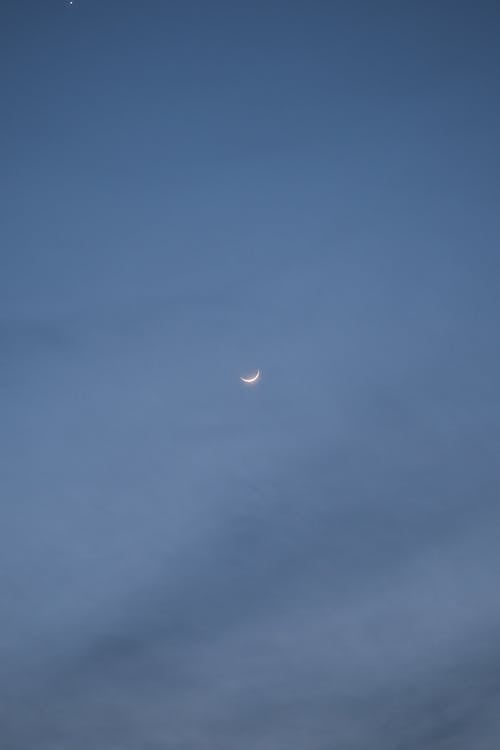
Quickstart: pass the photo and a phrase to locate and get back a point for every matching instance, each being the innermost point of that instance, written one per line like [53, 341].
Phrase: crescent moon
[252, 379]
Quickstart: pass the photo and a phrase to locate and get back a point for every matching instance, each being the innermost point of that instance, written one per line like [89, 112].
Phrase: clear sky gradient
[191, 191]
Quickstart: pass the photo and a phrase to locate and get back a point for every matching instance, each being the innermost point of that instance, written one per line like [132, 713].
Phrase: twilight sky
[191, 190]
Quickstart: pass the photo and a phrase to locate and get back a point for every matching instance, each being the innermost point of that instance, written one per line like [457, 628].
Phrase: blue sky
[191, 191]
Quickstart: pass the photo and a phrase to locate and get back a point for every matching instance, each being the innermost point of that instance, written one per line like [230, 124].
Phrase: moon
[251, 379]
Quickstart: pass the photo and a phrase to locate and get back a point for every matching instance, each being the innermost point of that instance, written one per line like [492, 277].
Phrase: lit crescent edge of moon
[251, 380]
